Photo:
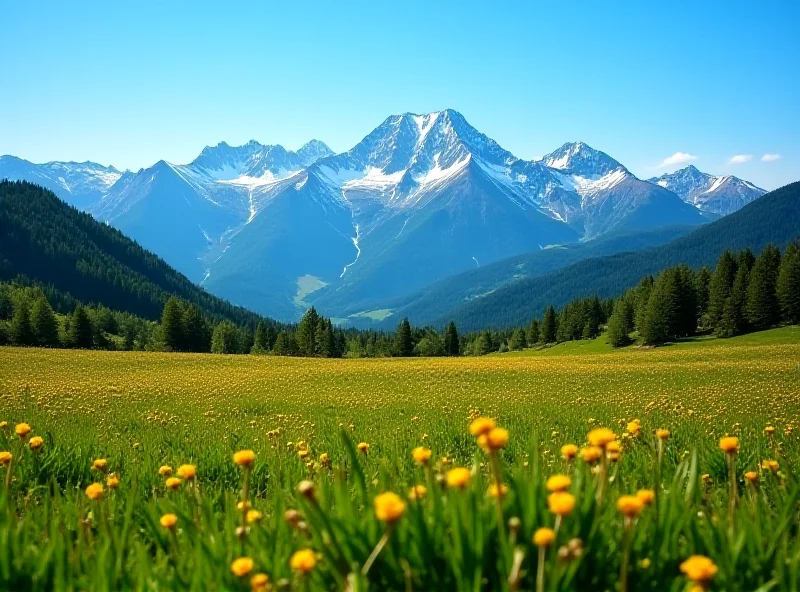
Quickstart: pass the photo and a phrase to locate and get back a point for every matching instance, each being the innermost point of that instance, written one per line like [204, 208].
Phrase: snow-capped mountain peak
[582, 159]
[720, 195]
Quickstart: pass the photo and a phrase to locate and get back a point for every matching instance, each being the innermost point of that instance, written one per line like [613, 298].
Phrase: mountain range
[421, 198]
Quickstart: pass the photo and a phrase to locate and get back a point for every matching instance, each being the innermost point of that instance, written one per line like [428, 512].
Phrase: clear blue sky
[130, 83]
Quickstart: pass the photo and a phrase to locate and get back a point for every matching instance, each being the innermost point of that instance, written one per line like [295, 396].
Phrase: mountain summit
[421, 197]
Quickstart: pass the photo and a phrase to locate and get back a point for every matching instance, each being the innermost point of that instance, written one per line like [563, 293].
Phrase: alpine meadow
[400, 297]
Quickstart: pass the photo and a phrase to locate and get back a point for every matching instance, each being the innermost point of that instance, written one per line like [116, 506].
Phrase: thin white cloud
[740, 158]
[677, 158]
[770, 157]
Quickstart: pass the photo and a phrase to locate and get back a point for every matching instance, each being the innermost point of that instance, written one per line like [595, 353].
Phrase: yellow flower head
[770, 465]
[646, 496]
[303, 560]
[544, 537]
[244, 458]
[417, 492]
[5, 457]
[601, 437]
[634, 427]
[169, 520]
[259, 583]
[187, 472]
[558, 483]
[729, 444]
[363, 447]
[481, 426]
[254, 516]
[173, 483]
[497, 491]
[662, 434]
[751, 476]
[699, 568]
[242, 566]
[497, 438]
[458, 477]
[36, 443]
[561, 503]
[630, 505]
[591, 454]
[243, 505]
[95, 491]
[112, 481]
[769, 430]
[569, 451]
[100, 464]
[389, 507]
[22, 430]
[324, 459]
[421, 454]
[3, 425]
[165, 471]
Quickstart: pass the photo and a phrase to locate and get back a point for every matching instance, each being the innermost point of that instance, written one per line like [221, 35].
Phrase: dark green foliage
[549, 325]
[81, 332]
[20, 329]
[719, 289]
[307, 333]
[620, 324]
[430, 345]
[763, 309]
[225, 339]
[404, 345]
[452, 346]
[788, 285]
[702, 285]
[734, 317]
[172, 326]
[260, 341]
[518, 340]
[43, 321]
[642, 297]
[532, 335]
[196, 331]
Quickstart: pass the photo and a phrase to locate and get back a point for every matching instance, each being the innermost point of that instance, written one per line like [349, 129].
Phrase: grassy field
[302, 419]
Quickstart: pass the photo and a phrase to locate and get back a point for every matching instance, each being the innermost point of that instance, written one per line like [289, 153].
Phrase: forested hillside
[773, 218]
[47, 242]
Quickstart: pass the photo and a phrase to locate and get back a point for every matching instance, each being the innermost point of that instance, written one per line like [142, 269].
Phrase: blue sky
[130, 83]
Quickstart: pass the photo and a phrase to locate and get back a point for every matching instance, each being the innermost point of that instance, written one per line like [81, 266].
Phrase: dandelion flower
[646, 496]
[112, 481]
[458, 477]
[303, 560]
[569, 451]
[100, 464]
[242, 566]
[544, 537]
[591, 454]
[481, 426]
[173, 483]
[729, 444]
[497, 491]
[36, 443]
[165, 471]
[254, 516]
[95, 491]
[662, 434]
[363, 447]
[187, 472]
[751, 476]
[558, 483]
[699, 568]
[769, 430]
[417, 492]
[245, 458]
[5, 457]
[421, 454]
[169, 520]
[770, 465]
[389, 507]
[259, 582]
[22, 430]
[634, 427]
[630, 505]
[601, 437]
[561, 503]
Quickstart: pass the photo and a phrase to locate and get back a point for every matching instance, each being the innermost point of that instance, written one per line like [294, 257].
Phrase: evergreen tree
[20, 329]
[788, 285]
[618, 324]
[260, 343]
[685, 302]
[45, 326]
[549, 328]
[307, 333]
[280, 347]
[404, 345]
[659, 317]
[763, 309]
[172, 330]
[734, 318]
[196, 334]
[532, 336]
[81, 332]
[702, 285]
[518, 340]
[451, 343]
[719, 288]
[129, 336]
[224, 339]
[643, 291]
[484, 344]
